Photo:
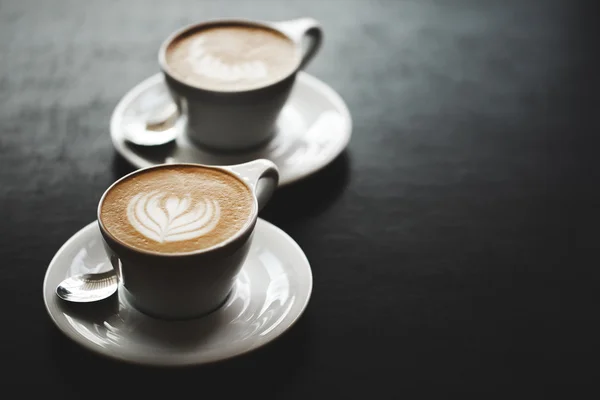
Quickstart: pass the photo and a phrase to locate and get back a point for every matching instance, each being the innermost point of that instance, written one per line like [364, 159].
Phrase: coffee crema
[231, 57]
[176, 209]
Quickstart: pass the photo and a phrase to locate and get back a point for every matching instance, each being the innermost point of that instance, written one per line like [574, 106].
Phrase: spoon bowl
[87, 288]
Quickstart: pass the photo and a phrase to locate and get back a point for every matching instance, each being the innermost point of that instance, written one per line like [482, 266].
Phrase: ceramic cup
[188, 285]
[239, 120]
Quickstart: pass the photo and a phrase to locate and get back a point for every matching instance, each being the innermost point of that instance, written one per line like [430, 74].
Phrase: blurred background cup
[228, 117]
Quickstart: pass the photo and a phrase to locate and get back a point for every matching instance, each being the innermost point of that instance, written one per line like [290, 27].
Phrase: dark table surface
[452, 244]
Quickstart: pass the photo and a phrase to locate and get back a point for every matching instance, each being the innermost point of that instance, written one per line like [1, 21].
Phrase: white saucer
[313, 129]
[271, 293]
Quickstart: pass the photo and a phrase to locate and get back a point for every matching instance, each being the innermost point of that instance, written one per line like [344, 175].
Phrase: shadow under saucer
[271, 367]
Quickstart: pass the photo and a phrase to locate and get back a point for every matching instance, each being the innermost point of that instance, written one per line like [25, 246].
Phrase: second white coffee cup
[226, 116]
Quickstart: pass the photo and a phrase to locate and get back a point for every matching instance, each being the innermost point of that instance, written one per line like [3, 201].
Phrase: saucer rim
[318, 85]
[173, 363]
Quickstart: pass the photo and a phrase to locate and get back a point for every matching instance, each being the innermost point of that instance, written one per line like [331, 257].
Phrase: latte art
[176, 209]
[231, 57]
[212, 66]
[165, 218]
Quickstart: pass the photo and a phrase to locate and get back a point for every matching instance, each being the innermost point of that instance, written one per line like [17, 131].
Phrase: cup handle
[300, 30]
[261, 175]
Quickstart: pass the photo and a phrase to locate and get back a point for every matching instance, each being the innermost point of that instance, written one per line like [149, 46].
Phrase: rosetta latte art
[211, 66]
[168, 218]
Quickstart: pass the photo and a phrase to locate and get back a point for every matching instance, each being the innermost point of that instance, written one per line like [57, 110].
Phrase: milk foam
[169, 218]
[212, 66]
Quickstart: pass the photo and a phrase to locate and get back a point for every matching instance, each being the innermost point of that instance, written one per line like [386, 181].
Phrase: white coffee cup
[246, 119]
[188, 285]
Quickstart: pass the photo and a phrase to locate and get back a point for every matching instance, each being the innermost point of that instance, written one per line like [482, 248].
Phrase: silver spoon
[161, 116]
[87, 288]
[157, 128]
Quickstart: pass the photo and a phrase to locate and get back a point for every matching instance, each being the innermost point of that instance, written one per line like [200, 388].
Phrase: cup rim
[162, 52]
[219, 246]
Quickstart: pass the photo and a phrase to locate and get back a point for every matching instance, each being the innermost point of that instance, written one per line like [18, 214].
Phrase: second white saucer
[271, 292]
[313, 129]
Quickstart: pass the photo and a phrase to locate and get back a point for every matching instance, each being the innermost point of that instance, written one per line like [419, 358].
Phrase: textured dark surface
[452, 245]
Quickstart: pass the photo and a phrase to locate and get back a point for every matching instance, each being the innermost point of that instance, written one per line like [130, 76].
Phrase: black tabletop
[451, 244]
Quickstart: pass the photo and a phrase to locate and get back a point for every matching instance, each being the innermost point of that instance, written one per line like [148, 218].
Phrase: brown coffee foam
[233, 45]
[234, 198]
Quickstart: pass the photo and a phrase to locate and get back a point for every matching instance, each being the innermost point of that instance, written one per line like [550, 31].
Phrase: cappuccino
[231, 57]
[176, 209]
